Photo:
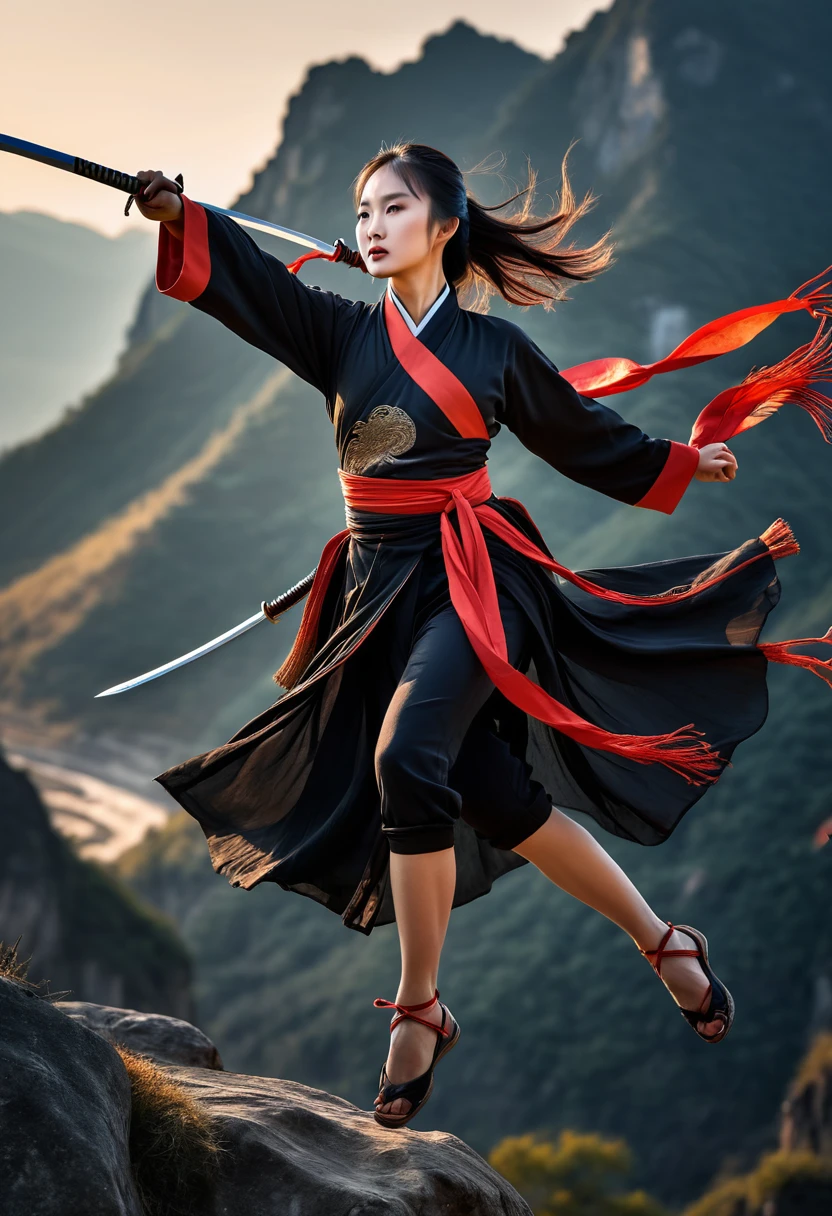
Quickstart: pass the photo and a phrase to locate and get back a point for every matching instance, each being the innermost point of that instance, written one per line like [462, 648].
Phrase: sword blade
[206, 648]
[48, 156]
[288, 234]
[276, 608]
[131, 185]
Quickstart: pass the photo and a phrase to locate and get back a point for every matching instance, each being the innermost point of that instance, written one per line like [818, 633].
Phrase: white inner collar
[411, 324]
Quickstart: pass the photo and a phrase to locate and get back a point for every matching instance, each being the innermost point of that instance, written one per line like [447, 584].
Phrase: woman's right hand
[716, 463]
[159, 198]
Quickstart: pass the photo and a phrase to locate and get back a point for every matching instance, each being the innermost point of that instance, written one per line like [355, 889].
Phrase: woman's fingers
[146, 176]
[727, 472]
[159, 197]
[157, 183]
[724, 454]
[719, 463]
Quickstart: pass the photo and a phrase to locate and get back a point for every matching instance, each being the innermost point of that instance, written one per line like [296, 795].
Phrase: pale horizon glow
[200, 88]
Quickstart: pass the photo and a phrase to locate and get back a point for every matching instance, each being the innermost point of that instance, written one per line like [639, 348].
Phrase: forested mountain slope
[69, 295]
[81, 928]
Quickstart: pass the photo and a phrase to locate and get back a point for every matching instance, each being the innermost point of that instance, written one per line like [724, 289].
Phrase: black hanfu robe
[292, 797]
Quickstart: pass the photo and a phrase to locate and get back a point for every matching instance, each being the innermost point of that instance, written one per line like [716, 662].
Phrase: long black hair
[520, 256]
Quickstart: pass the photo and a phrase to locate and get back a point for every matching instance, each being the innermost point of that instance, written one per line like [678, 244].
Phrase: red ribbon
[761, 393]
[601, 377]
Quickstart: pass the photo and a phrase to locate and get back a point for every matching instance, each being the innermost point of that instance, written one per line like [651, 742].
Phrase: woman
[413, 759]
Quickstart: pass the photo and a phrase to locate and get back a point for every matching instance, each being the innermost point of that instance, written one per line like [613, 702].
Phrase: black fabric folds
[292, 797]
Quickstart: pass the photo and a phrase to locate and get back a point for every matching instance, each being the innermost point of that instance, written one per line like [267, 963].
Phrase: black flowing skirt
[292, 798]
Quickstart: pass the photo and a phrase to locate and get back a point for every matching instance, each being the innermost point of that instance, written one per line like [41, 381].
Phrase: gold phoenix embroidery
[387, 433]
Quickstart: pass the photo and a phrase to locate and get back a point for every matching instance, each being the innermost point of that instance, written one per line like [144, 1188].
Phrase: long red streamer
[601, 377]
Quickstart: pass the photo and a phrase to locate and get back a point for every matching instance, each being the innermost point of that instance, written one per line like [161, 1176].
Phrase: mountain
[796, 1178]
[201, 479]
[81, 927]
[69, 294]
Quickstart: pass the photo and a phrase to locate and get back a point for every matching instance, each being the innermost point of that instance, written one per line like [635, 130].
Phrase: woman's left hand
[716, 463]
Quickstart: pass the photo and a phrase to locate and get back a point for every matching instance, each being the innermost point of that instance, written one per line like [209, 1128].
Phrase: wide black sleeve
[585, 439]
[221, 270]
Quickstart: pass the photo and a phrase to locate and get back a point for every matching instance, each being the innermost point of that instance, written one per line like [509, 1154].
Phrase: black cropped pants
[438, 757]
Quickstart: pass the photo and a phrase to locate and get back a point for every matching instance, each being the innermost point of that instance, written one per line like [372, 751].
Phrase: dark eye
[394, 207]
[362, 215]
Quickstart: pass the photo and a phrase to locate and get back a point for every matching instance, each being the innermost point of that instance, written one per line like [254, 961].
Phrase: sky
[200, 87]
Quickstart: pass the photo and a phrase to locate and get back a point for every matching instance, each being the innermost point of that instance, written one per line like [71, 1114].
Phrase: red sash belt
[473, 594]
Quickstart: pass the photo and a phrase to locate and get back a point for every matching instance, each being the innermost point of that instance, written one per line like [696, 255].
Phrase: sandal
[721, 1005]
[419, 1089]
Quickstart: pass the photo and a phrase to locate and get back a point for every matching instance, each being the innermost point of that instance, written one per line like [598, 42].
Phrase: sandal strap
[407, 1011]
[661, 953]
[413, 1090]
[719, 1003]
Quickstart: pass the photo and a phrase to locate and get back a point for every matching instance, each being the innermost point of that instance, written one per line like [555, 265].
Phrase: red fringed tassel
[817, 301]
[764, 390]
[780, 540]
[681, 750]
[305, 641]
[600, 377]
[780, 652]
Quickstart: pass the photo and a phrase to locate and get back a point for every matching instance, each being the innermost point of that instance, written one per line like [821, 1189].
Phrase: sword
[339, 252]
[269, 611]
[132, 185]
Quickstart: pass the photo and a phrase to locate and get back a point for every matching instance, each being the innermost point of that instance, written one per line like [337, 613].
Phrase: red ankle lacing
[405, 1011]
[661, 953]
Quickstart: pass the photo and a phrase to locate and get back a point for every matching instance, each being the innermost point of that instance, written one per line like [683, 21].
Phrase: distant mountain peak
[461, 35]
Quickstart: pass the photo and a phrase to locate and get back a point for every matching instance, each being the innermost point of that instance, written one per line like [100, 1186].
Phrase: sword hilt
[275, 608]
[179, 180]
[109, 177]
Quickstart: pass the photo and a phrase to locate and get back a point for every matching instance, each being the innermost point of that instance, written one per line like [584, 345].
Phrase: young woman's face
[394, 231]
